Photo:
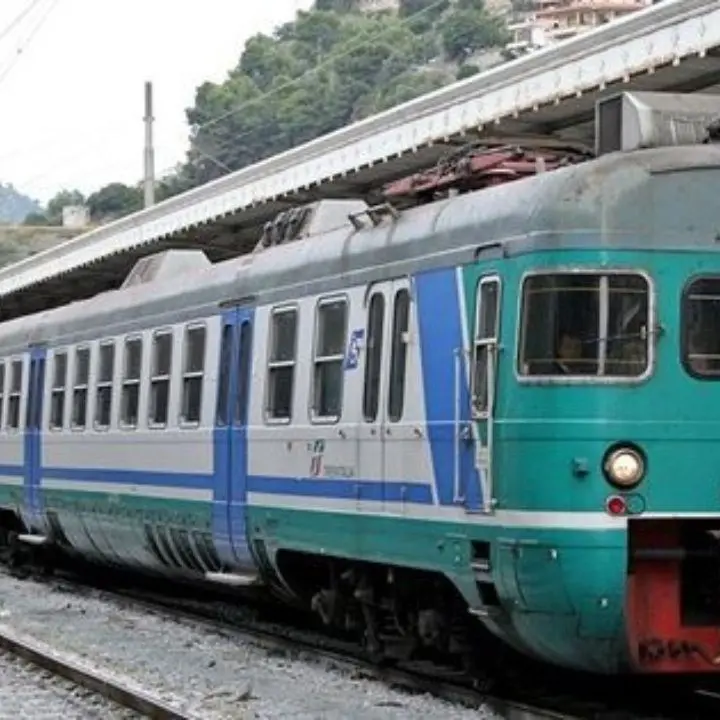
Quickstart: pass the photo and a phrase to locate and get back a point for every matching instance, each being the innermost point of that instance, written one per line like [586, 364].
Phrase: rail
[94, 680]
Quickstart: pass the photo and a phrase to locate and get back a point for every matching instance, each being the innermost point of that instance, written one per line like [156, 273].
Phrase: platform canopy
[671, 46]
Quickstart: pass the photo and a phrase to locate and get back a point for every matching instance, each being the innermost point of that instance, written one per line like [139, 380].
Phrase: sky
[71, 92]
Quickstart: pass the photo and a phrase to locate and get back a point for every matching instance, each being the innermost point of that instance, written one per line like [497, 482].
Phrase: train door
[231, 442]
[387, 424]
[33, 432]
[479, 492]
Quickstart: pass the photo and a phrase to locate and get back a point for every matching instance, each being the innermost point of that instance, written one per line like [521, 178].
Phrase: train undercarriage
[673, 595]
[400, 615]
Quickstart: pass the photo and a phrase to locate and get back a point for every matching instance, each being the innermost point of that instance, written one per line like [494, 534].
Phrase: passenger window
[373, 356]
[328, 357]
[193, 370]
[16, 373]
[104, 385]
[80, 388]
[398, 360]
[281, 363]
[584, 324]
[160, 378]
[131, 382]
[701, 320]
[57, 399]
[486, 334]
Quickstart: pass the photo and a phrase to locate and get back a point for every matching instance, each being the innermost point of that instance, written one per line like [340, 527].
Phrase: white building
[554, 20]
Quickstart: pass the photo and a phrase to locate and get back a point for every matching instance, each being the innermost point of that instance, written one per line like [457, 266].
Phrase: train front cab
[673, 588]
[604, 451]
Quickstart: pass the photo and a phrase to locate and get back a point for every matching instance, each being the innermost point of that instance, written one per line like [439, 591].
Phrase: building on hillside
[551, 21]
[75, 216]
[371, 6]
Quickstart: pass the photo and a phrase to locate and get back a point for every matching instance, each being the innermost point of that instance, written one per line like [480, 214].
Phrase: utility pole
[149, 176]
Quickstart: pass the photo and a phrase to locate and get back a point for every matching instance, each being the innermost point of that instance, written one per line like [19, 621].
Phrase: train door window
[281, 363]
[486, 334]
[80, 388]
[160, 378]
[16, 373]
[398, 358]
[132, 372]
[2, 390]
[585, 324]
[331, 328]
[57, 397]
[104, 386]
[226, 350]
[193, 372]
[700, 321]
[244, 368]
[373, 358]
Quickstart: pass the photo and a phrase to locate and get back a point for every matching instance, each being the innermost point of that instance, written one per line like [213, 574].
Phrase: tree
[466, 31]
[114, 201]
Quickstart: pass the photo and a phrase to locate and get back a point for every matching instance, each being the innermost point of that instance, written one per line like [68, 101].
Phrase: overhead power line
[18, 18]
[24, 45]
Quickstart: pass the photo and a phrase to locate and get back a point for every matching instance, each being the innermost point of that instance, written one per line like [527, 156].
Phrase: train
[481, 413]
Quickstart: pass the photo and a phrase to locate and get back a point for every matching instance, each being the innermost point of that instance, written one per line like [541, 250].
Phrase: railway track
[94, 680]
[220, 617]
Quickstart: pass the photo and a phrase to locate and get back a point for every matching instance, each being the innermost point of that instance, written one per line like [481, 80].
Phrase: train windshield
[701, 320]
[584, 324]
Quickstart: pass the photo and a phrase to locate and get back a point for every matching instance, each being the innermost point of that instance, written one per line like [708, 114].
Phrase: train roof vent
[165, 265]
[634, 120]
[306, 220]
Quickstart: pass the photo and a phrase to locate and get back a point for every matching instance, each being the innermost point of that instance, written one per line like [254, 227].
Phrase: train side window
[486, 334]
[700, 320]
[160, 378]
[398, 359]
[373, 357]
[57, 393]
[132, 372]
[281, 363]
[328, 357]
[2, 389]
[193, 372]
[584, 325]
[104, 385]
[16, 373]
[80, 388]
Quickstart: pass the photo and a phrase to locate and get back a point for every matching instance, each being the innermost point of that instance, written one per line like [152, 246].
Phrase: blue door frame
[231, 439]
[33, 435]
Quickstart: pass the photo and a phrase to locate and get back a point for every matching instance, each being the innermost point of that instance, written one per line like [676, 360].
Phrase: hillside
[330, 66]
[18, 242]
[14, 206]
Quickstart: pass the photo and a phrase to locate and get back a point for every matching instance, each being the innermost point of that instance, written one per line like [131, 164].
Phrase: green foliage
[113, 201]
[467, 70]
[330, 67]
[464, 31]
[37, 219]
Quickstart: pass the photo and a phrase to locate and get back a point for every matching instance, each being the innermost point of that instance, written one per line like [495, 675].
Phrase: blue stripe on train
[441, 336]
[356, 488]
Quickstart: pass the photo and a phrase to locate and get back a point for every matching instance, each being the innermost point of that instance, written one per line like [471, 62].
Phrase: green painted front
[543, 431]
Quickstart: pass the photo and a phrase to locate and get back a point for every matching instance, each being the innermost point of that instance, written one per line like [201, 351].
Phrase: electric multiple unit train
[498, 409]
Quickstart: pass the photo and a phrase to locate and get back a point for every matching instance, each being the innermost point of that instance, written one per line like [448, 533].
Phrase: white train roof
[674, 45]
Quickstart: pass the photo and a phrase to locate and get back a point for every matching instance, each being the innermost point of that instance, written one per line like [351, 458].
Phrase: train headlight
[624, 467]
